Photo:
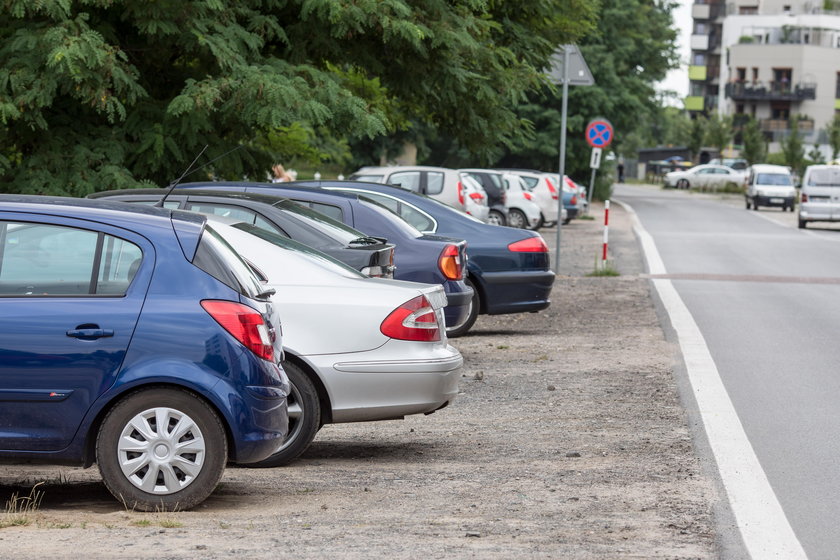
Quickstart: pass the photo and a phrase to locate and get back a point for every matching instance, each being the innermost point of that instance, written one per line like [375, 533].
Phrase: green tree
[754, 146]
[99, 94]
[815, 155]
[629, 52]
[792, 148]
[719, 132]
[833, 131]
[698, 132]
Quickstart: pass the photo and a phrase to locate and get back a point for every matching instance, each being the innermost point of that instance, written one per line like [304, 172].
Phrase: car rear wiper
[265, 294]
[367, 240]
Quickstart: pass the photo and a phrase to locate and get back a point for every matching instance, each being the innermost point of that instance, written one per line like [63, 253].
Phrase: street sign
[599, 133]
[595, 159]
[579, 74]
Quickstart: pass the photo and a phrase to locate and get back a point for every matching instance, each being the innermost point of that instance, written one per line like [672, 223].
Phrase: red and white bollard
[606, 233]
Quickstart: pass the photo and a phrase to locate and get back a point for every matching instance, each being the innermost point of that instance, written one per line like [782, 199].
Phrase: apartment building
[770, 59]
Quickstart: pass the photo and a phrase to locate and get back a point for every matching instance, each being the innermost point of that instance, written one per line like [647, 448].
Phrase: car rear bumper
[458, 297]
[395, 380]
[517, 291]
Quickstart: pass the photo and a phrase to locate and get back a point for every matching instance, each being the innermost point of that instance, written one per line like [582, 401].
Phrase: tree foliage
[834, 136]
[792, 148]
[754, 150]
[719, 132]
[98, 94]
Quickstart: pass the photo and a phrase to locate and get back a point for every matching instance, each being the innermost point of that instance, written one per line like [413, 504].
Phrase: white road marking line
[758, 514]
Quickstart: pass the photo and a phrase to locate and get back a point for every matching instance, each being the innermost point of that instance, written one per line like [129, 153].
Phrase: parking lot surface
[568, 440]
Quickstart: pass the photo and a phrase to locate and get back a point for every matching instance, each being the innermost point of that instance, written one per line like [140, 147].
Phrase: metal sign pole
[562, 156]
[591, 187]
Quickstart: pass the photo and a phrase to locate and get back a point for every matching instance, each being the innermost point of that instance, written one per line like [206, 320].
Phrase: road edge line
[761, 521]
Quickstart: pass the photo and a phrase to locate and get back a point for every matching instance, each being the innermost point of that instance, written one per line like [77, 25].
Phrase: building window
[782, 78]
[837, 87]
[741, 74]
[747, 10]
[698, 59]
[700, 28]
[754, 74]
[780, 111]
[739, 109]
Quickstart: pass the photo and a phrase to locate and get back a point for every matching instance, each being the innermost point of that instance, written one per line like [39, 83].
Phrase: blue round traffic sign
[599, 133]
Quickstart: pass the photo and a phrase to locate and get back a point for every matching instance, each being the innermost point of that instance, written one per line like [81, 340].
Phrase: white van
[820, 196]
[770, 185]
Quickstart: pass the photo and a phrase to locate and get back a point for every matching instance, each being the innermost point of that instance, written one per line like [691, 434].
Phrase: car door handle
[89, 332]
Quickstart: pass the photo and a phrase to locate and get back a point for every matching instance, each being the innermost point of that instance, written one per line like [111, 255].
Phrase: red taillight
[573, 202]
[413, 320]
[244, 323]
[450, 263]
[803, 198]
[460, 193]
[527, 196]
[551, 188]
[530, 245]
[476, 196]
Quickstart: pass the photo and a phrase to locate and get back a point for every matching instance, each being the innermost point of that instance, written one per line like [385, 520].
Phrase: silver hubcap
[516, 220]
[494, 219]
[161, 451]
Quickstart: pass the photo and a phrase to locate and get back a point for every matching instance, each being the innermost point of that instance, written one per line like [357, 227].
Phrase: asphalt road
[766, 297]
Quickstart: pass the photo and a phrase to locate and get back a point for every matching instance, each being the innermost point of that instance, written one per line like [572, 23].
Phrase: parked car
[707, 176]
[356, 349]
[429, 259]
[820, 195]
[523, 211]
[443, 184]
[373, 256]
[135, 338]
[492, 183]
[769, 185]
[545, 194]
[508, 268]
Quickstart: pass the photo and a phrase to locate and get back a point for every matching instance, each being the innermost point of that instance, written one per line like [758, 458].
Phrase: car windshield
[829, 177]
[322, 222]
[289, 244]
[217, 258]
[780, 179]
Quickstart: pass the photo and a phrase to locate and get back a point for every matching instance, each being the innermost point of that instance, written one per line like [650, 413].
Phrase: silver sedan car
[356, 348]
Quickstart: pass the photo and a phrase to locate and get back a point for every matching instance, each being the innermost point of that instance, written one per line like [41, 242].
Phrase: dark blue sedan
[508, 267]
[135, 338]
[430, 259]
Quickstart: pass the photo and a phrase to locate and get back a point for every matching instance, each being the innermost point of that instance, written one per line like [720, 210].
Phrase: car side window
[408, 180]
[434, 182]
[333, 212]
[408, 213]
[52, 260]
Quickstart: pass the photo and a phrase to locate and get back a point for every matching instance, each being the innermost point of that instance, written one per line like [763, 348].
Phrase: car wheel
[540, 223]
[475, 304]
[304, 418]
[682, 184]
[747, 200]
[161, 450]
[802, 223]
[517, 219]
[755, 204]
[496, 218]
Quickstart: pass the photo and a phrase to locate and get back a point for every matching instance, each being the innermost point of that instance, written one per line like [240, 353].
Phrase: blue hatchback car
[509, 268]
[133, 337]
[430, 259]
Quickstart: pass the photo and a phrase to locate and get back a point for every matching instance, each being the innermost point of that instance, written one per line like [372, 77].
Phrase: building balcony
[773, 91]
[774, 125]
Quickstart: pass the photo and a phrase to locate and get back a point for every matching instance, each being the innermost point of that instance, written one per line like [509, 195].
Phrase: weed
[171, 524]
[604, 268]
[142, 523]
[587, 217]
[19, 509]
[502, 347]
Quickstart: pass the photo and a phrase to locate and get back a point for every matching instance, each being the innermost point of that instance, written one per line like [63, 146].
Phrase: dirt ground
[568, 440]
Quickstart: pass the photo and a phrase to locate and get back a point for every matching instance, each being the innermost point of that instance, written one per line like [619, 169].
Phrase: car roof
[768, 167]
[256, 197]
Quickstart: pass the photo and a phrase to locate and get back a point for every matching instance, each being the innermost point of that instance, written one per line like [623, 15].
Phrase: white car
[523, 211]
[441, 183]
[708, 176]
[545, 192]
[355, 348]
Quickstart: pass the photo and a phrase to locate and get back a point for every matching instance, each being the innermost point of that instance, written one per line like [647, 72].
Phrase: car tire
[496, 218]
[517, 219]
[747, 201]
[802, 223]
[304, 418]
[472, 315]
[755, 204]
[130, 432]
[683, 184]
[540, 223]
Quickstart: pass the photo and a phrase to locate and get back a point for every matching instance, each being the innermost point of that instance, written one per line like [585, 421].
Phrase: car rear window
[824, 177]
[218, 259]
[321, 222]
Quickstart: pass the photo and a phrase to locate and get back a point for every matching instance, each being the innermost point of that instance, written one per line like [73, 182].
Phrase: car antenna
[174, 183]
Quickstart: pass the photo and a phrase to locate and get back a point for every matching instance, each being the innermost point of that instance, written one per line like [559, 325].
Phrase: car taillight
[803, 198]
[551, 188]
[460, 193]
[527, 196]
[244, 323]
[450, 264]
[530, 245]
[413, 320]
[573, 202]
[476, 196]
